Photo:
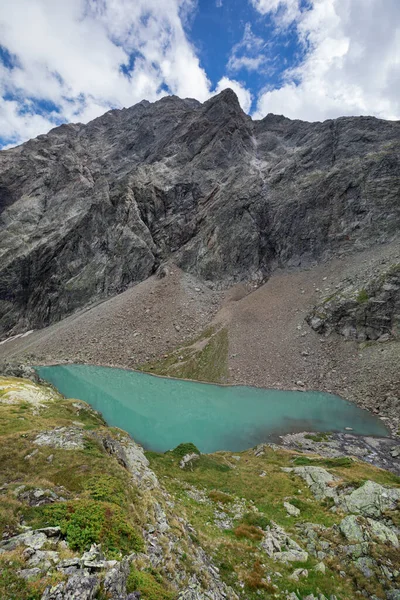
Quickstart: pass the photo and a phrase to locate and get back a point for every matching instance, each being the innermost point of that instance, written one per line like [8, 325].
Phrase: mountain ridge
[88, 210]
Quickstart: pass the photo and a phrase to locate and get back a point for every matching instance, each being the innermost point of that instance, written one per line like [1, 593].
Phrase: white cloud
[76, 54]
[285, 10]
[352, 63]
[249, 53]
[243, 94]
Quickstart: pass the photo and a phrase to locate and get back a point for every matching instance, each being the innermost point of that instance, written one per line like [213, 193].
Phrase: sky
[72, 60]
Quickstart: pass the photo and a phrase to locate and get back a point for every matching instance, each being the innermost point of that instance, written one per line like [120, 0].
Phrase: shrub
[257, 519]
[183, 449]
[85, 522]
[217, 496]
[106, 488]
[248, 531]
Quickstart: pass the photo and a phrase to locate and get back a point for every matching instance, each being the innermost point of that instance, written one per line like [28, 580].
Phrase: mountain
[88, 210]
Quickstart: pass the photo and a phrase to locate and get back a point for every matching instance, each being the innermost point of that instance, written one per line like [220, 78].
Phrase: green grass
[150, 585]
[343, 461]
[209, 363]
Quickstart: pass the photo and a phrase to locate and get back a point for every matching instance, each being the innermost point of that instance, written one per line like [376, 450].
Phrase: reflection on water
[160, 413]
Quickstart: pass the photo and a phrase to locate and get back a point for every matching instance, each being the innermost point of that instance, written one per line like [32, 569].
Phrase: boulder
[318, 479]
[370, 500]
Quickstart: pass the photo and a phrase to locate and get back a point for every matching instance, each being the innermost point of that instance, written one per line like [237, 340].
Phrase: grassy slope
[236, 552]
[204, 359]
[101, 504]
[106, 507]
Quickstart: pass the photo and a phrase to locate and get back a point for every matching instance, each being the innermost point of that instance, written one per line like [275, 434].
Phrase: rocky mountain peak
[88, 210]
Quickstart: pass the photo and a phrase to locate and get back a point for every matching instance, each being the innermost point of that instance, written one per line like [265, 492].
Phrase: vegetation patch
[251, 532]
[200, 362]
[150, 584]
[221, 497]
[85, 522]
[362, 296]
[183, 449]
[343, 461]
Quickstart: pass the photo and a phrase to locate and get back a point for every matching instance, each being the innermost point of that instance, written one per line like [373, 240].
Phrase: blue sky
[309, 59]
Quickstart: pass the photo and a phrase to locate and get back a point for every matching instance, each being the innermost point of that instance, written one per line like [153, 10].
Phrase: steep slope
[85, 211]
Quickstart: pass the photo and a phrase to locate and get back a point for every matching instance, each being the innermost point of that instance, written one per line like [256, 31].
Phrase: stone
[115, 579]
[31, 539]
[365, 565]
[382, 533]
[351, 529]
[188, 459]
[67, 438]
[80, 586]
[293, 511]
[298, 574]
[29, 573]
[320, 568]
[395, 451]
[279, 546]
[370, 500]
[318, 479]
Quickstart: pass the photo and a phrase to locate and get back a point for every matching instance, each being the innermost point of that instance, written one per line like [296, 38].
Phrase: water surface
[160, 413]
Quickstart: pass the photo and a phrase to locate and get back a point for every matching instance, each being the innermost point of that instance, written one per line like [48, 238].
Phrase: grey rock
[188, 459]
[115, 580]
[80, 586]
[67, 438]
[87, 210]
[351, 529]
[31, 539]
[279, 546]
[29, 573]
[366, 310]
[293, 511]
[370, 500]
[318, 479]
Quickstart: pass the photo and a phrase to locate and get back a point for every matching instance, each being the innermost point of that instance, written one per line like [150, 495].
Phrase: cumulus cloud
[285, 10]
[83, 57]
[351, 64]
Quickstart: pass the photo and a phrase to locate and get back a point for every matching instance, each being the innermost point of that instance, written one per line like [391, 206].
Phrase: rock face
[85, 211]
[367, 311]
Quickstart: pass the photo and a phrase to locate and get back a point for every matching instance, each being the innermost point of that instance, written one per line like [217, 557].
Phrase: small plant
[343, 461]
[255, 579]
[256, 519]
[217, 496]
[106, 488]
[362, 296]
[251, 532]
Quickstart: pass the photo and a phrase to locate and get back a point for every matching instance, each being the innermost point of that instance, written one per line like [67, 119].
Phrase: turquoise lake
[160, 413]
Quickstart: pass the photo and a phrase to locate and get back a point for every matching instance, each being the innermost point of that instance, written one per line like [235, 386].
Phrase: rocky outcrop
[87, 210]
[363, 310]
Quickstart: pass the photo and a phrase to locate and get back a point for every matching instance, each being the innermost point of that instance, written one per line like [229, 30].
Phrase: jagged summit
[88, 210]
